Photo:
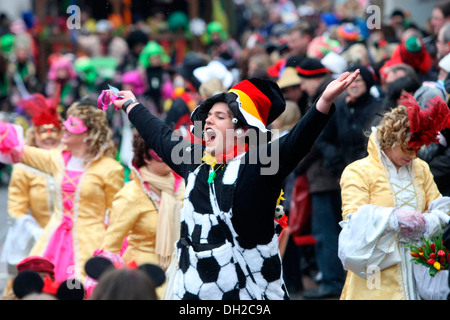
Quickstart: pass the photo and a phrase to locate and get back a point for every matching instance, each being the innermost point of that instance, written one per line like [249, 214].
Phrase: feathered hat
[255, 102]
[427, 123]
[42, 110]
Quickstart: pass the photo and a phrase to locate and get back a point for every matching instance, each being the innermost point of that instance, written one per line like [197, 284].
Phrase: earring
[239, 132]
[84, 140]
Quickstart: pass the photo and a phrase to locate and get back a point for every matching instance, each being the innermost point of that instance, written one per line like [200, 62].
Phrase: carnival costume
[30, 191]
[370, 244]
[83, 198]
[137, 213]
[229, 246]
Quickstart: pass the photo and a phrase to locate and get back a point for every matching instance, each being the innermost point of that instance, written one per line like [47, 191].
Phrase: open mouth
[210, 135]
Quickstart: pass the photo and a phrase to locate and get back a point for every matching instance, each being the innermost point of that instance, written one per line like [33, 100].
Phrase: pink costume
[60, 247]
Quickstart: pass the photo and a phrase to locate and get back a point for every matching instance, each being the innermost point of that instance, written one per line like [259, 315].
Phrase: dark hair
[124, 284]
[140, 150]
[444, 7]
[304, 28]
[396, 87]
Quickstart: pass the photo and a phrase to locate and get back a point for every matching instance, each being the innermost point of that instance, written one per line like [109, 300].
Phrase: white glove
[410, 222]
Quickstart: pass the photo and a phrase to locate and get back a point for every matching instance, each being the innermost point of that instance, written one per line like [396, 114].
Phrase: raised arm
[334, 90]
[297, 144]
[160, 137]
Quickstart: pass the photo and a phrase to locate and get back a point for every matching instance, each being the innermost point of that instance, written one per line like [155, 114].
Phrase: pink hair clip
[74, 125]
[105, 99]
[155, 156]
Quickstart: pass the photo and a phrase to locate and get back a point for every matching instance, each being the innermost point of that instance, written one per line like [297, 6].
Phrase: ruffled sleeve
[437, 216]
[368, 239]
[11, 143]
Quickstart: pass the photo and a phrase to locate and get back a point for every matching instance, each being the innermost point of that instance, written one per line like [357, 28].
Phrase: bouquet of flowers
[432, 254]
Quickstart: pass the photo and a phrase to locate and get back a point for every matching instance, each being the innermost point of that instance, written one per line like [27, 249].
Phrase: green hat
[7, 43]
[86, 70]
[178, 20]
[413, 44]
[152, 48]
[213, 27]
[105, 66]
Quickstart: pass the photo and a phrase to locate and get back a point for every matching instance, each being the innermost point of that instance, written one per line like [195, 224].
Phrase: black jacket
[345, 138]
[253, 197]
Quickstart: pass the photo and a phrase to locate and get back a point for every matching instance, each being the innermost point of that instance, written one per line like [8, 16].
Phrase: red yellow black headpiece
[255, 102]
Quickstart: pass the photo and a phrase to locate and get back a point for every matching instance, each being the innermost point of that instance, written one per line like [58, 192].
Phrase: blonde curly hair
[393, 129]
[100, 134]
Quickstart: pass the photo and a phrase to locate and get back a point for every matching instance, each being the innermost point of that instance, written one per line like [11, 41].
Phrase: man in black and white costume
[228, 247]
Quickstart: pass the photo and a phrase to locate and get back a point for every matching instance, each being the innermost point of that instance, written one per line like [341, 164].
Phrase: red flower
[441, 253]
[431, 261]
[432, 246]
[432, 255]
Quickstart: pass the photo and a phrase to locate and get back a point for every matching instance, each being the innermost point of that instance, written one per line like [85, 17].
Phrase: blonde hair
[211, 87]
[30, 136]
[393, 129]
[290, 116]
[99, 132]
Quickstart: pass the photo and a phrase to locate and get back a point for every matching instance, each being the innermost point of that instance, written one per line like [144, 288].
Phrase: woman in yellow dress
[86, 179]
[389, 200]
[146, 211]
[31, 192]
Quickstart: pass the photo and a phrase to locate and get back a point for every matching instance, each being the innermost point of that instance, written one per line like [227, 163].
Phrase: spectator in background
[323, 188]
[153, 60]
[136, 42]
[298, 39]
[439, 16]
[110, 45]
[292, 268]
[124, 284]
[443, 41]
[397, 71]
[62, 78]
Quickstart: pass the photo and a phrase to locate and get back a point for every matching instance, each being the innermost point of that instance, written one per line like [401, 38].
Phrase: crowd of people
[120, 194]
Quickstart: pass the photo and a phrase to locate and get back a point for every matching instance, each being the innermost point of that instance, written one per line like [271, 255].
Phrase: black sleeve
[179, 154]
[298, 142]
[328, 145]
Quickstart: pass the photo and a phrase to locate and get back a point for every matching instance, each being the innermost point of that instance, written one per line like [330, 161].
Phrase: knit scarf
[168, 231]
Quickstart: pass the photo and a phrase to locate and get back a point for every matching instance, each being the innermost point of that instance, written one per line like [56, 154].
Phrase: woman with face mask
[86, 179]
[31, 193]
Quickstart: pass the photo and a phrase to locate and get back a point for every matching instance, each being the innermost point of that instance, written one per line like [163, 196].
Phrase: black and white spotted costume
[228, 247]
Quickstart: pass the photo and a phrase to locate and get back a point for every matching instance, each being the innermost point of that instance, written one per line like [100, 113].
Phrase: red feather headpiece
[427, 123]
[42, 110]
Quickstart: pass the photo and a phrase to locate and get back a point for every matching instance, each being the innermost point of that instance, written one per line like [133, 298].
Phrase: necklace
[212, 161]
[212, 174]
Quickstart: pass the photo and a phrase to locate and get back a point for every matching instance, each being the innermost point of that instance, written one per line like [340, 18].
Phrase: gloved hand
[410, 222]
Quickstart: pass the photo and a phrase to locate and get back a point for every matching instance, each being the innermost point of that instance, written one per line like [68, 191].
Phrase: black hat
[256, 102]
[365, 73]
[312, 68]
[191, 62]
[27, 282]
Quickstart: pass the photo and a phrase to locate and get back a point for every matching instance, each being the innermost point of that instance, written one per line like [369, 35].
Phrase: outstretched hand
[127, 95]
[334, 89]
